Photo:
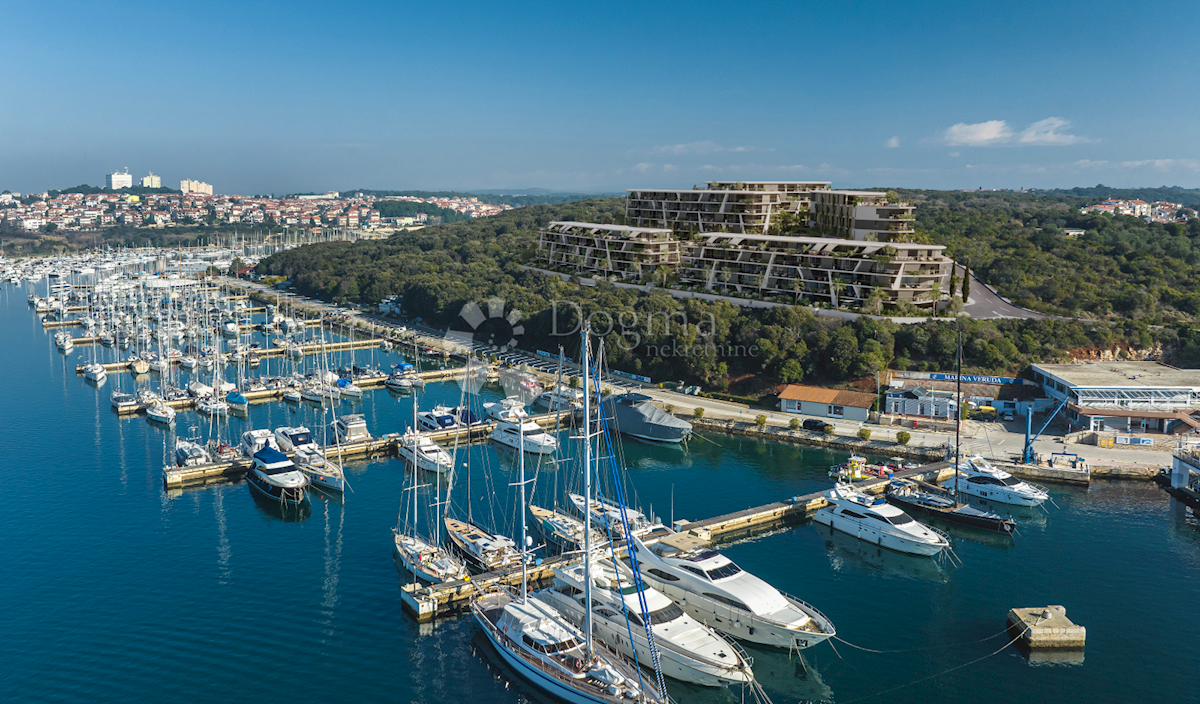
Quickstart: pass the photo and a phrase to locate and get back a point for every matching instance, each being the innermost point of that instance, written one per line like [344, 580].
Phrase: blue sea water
[115, 590]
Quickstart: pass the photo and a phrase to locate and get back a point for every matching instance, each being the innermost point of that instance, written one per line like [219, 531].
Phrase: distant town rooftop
[1121, 374]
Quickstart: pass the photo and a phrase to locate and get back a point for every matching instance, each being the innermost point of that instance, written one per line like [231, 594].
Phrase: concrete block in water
[1046, 627]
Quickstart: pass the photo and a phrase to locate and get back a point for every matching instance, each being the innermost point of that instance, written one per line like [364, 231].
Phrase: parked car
[1008, 416]
[818, 425]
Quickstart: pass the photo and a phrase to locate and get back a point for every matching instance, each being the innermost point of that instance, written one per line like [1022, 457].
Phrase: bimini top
[269, 456]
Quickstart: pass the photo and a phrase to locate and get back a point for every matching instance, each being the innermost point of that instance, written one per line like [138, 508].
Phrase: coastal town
[1159, 211]
[196, 204]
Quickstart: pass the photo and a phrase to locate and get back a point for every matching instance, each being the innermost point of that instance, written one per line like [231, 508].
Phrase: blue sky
[272, 97]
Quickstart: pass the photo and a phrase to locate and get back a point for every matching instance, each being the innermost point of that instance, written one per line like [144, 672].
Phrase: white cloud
[669, 167]
[954, 154]
[893, 143]
[1051, 131]
[643, 167]
[1163, 164]
[1047, 132]
[979, 134]
[703, 147]
[1091, 163]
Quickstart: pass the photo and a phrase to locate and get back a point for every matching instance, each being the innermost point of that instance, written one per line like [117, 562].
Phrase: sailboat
[544, 647]
[424, 557]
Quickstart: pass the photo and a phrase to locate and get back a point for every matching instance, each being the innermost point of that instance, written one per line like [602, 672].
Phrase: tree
[794, 424]
[966, 284]
[903, 437]
[698, 412]
[761, 421]
[791, 372]
[864, 433]
[829, 429]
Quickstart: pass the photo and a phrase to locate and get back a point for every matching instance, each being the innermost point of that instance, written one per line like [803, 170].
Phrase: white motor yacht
[94, 372]
[524, 435]
[188, 362]
[977, 477]
[874, 520]
[425, 454]
[295, 439]
[212, 406]
[255, 440]
[510, 409]
[714, 590]
[190, 453]
[440, 418]
[351, 428]
[561, 399]
[687, 649]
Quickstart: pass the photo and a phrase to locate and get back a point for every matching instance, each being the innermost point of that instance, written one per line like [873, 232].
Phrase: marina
[751, 498]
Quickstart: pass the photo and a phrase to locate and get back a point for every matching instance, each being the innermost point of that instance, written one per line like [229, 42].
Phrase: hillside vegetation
[438, 269]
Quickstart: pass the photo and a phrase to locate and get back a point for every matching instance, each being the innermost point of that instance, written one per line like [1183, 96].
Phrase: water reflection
[849, 554]
[288, 513]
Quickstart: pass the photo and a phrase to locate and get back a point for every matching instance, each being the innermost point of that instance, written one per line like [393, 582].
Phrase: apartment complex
[189, 186]
[613, 250]
[784, 240]
[721, 207]
[152, 181]
[119, 179]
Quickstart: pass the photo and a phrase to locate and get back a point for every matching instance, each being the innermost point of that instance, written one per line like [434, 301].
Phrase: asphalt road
[986, 303]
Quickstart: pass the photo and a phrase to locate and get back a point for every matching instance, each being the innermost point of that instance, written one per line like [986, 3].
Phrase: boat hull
[284, 495]
[998, 524]
[870, 535]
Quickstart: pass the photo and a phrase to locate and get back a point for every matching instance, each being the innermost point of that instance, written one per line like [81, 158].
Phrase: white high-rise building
[119, 179]
[151, 181]
[189, 186]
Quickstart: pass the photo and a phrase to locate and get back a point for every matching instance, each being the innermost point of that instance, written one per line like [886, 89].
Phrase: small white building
[826, 403]
[119, 179]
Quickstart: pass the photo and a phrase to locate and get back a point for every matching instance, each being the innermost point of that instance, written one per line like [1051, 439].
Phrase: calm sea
[114, 590]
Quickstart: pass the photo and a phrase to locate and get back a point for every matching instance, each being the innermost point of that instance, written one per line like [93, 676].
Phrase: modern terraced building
[798, 240]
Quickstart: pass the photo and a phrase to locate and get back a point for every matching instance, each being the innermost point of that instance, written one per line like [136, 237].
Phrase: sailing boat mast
[957, 411]
[587, 489]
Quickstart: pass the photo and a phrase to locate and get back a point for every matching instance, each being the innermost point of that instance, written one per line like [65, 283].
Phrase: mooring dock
[262, 353]
[388, 445]
[428, 602]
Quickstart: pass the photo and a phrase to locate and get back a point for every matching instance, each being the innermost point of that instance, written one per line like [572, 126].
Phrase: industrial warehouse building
[1131, 397]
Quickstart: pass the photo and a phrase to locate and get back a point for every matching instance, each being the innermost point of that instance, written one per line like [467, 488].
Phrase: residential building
[1145, 397]
[860, 215]
[825, 403]
[611, 250]
[151, 181]
[119, 179]
[189, 186]
[740, 207]
[920, 402]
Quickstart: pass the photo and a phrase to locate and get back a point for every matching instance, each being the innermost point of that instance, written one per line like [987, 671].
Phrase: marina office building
[1132, 397]
[791, 239]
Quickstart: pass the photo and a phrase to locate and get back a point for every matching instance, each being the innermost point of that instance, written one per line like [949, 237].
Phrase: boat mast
[522, 508]
[587, 490]
[957, 411]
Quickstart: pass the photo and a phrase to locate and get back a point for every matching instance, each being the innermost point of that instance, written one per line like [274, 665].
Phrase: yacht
[561, 530]
[276, 477]
[429, 563]
[561, 398]
[608, 515]
[295, 439]
[483, 551]
[292, 396]
[198, 389]
[524, 435]
[423, 453]
[160, 412]
[237, 401]
[874, 520]
[714, 590]
[636, 415]
[348, 389]
[351, 428]
[978, 477]
[94, 372]
[398, 381]
[510, 409]
[120, 398]
[212, 406]
[322, 473]
[189, 453]
[544, 648]
[927, 500]
[688, 650]
[440, 418]
[255, 440]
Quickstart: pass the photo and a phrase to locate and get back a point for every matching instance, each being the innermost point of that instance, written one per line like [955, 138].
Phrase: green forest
[1014, 241]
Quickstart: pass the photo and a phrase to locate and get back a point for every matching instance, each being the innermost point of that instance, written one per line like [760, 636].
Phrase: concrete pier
[1046, 627]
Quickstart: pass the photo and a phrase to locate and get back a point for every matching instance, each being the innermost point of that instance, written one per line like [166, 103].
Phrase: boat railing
[806, 605]
[938, 531]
